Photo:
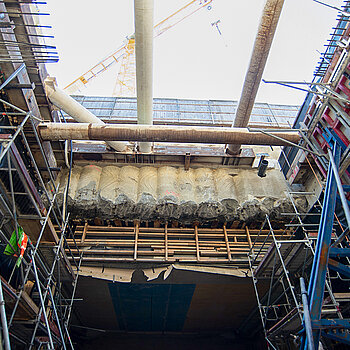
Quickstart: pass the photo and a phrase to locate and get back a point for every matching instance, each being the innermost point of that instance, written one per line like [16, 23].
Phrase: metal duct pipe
[66, 103]
[144, 65]
[262, 45]
[157, 133]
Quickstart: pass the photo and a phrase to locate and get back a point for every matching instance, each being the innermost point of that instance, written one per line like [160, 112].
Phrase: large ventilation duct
[262, 45]
[79, 113]
[144, 65]
[161, 133]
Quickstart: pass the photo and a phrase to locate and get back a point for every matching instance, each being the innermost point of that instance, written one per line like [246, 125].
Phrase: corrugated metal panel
[193, 112]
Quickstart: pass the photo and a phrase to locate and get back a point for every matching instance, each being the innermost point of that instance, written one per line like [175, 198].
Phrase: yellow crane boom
[125, 84]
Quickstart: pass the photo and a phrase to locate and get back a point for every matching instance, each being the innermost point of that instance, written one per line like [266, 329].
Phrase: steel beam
[339, 267]
[339, 252]
[67, 104]
[338, 335]
[319, 267]
[262, 46]
[331, 324]
[340, 188]
[156, 133]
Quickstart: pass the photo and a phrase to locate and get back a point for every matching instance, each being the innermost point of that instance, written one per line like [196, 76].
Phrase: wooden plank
[177, 230]
[89, 242]
[136, 239]
[157, 252]
[49, 303]
[115, 231]
[157, 244]
[166, 240]
[187, 160]
[84, 233]
[161, 260]
[157, 248]
[117, 252]
[214, 253]
[27, 309]
[161, 234]
[248, 237]
[33, 227]
[28, 287]
[197, 242]
[342, 296]
[227, 244]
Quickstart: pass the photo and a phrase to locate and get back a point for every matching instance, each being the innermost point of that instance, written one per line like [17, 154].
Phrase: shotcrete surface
[169, 193]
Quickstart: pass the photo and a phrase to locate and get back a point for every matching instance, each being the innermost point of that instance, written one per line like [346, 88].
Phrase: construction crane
[125, 54]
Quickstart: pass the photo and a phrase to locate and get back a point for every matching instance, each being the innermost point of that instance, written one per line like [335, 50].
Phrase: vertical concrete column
[262, 46]
[144, 65]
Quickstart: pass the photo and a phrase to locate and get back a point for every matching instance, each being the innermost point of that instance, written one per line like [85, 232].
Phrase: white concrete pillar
[144, 65]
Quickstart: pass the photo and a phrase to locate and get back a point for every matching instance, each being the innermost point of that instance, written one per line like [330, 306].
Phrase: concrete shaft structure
[157, 133]
[144, 65]
[262, 45]
[65, 102]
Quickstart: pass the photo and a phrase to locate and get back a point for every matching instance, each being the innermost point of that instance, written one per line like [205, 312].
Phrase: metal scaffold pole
[42, 306]
[306, 312]
[5, 330]
[36, 265]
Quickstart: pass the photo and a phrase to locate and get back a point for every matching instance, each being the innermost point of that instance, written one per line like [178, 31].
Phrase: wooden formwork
[108, 244]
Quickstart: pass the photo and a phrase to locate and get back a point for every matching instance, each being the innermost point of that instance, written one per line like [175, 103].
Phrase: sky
[192, 60]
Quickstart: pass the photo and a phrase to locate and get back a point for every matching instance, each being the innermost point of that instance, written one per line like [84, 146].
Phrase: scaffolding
[288, 312]
[38, 282]
[111, 245]
[278, 303]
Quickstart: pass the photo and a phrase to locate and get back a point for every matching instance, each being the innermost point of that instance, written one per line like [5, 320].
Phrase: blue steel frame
[338, 335]
[320, 262]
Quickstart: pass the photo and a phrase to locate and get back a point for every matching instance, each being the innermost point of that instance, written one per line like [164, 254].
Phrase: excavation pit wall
[167, 193]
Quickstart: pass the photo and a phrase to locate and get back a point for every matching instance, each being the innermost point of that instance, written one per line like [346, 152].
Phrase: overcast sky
[192, 60]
